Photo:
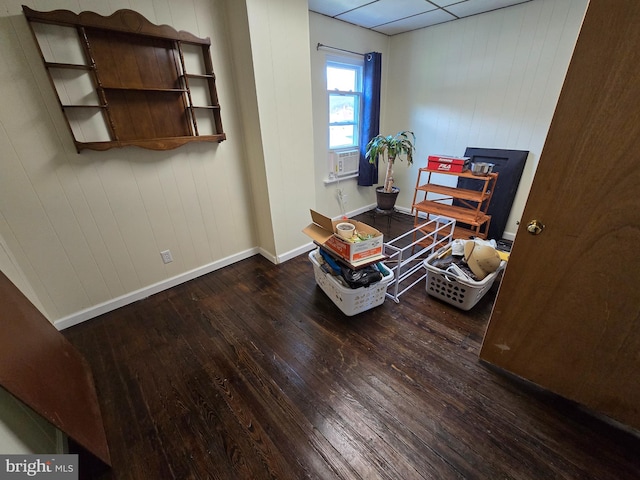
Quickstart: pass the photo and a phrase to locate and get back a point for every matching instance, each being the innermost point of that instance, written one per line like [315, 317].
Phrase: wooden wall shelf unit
[471, 216]
[123, 81]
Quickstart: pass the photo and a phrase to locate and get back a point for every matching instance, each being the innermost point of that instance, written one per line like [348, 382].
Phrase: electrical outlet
[166, 256]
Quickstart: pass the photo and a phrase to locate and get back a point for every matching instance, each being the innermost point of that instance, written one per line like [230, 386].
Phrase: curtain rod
[336, 48]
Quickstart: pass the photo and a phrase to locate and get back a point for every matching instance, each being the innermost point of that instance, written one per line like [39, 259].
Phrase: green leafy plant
[391, 147]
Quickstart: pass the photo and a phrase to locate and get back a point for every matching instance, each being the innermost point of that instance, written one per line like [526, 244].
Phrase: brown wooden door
[42, 369]
[567, 316]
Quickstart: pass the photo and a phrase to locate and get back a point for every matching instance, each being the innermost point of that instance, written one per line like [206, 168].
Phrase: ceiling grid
[392, 17]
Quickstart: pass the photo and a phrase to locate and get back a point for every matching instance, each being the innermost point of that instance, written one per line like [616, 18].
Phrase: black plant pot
[387, 201]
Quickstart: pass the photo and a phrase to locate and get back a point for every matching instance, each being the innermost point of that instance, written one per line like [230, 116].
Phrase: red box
[444, 163]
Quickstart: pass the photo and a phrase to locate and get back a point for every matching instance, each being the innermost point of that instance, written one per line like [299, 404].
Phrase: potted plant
[392, 146]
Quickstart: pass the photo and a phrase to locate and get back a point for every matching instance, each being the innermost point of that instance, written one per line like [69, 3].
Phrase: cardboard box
[445, 163]
[361, 253]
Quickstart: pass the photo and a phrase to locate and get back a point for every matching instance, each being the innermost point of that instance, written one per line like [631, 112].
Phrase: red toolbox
[446, 163]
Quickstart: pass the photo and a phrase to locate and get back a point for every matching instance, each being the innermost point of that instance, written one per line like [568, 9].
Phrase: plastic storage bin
[462, 292]
[351, 300]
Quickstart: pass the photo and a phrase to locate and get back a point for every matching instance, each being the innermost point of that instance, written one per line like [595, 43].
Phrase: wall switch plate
[166, 256]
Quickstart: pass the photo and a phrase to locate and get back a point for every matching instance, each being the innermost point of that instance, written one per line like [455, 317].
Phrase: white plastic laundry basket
[462, 292]
[351, 300]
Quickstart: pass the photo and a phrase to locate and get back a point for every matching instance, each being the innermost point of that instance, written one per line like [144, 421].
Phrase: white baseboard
[358, 211]
[113, 304]
[268, 255]
[145, 292]
[310, 246]
[509, 236]
[295, 252]
[405, 210]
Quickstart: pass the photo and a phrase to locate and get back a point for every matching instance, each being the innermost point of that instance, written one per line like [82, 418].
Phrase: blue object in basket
[331, 262]
[382, 269]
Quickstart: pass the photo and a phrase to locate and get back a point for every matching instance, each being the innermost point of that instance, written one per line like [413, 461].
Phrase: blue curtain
[367, 172]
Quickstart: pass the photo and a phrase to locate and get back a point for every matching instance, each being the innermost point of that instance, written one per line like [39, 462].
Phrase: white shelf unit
[406, 261]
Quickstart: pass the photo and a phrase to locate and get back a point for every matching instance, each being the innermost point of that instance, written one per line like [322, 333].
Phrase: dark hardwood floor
[251, 372]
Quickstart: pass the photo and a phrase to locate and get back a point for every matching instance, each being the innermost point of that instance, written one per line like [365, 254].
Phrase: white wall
[279, 32]
[490, 81]
[81, 233]
[242, 59]
[339, 34]
[23, 431]
[86, 229]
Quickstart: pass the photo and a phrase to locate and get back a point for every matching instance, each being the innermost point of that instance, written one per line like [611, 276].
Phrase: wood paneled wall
[488, 81]
[84, 230]
[88, 228]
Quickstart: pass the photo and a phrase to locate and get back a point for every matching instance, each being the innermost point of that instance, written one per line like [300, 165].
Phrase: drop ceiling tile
[428, 19]
[385, 11]
[396, 16]
[473, 7]
[332, 8]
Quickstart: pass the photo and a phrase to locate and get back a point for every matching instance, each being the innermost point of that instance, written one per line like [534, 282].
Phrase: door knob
[535, 227]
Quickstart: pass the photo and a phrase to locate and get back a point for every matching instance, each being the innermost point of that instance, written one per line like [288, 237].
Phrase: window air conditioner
[344, 163]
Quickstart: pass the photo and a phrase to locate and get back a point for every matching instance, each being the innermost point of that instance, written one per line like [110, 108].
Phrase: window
[344, 88]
